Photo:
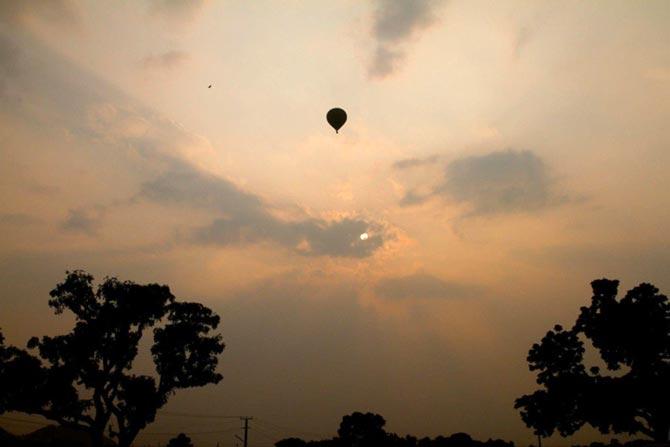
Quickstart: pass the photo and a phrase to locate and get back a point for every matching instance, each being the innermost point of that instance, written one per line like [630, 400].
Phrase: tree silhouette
[632, 336]
[181, 440]
[84, 380]
[362, 429]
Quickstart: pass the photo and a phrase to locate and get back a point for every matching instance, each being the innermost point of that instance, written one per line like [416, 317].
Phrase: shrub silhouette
[181, 440]
[83, 379]
[632, 336]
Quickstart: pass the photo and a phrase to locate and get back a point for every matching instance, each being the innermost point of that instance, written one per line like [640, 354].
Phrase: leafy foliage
[84, 378]
[632, 336]
[362, 429]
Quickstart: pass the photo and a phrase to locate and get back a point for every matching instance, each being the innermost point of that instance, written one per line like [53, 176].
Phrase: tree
[181, 440]
[632, 336]
[84, 379]
[362, 429]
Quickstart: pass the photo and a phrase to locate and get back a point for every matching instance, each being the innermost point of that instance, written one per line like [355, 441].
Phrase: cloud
[496, 183]
[84, 220]
[184, 183]
[385, 62]
[396, 21]
[155, 151]
[63, 13]
[412, 197]
[414, 162]
[421, 285]
[167, 60]
[245, 218]
[500, 182]
[177, 11]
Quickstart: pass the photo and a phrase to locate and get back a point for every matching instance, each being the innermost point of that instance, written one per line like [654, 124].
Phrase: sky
[500, 156]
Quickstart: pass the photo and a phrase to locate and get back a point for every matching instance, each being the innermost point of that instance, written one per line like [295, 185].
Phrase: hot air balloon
[336, 117]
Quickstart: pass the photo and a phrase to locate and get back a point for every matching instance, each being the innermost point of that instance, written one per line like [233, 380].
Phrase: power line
[267, 436]
[195, 415]
[285, 429]
[266, 428]
[228, 430]
[275, 431]
[270, 439]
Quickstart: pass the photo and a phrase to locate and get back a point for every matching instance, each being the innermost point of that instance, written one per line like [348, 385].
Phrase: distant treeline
[367, 430]
[634, 443]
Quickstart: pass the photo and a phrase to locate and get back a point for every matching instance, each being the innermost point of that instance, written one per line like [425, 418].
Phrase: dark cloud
[421, 285]
[413, 197]
[395, 21]
[496, 183]
[98, 114]
[245, 218]
[50, 83]
[415, 162]
[500, 182]
[167, 60]
[84, 220]
[177, 11]
[184, 184]
[63, 13]
[385, 61]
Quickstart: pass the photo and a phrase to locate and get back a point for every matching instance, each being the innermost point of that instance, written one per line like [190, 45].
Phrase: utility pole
[246, 420]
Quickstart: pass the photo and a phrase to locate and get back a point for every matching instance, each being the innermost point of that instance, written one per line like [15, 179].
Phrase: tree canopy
[84, 379]
[362, 429]
[631, 394]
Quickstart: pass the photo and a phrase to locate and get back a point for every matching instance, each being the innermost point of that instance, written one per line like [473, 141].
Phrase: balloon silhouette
[336, 117]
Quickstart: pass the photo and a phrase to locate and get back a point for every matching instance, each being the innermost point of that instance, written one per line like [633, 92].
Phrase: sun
[364, 236]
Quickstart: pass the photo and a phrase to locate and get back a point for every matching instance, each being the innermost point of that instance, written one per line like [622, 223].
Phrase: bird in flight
[210, 86]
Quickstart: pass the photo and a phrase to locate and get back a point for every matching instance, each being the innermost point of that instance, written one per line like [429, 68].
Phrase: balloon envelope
[336, 117]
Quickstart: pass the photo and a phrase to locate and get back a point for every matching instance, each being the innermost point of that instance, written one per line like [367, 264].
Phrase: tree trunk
[126, 438]
[97, 438]
[662, 432]
[660, 428]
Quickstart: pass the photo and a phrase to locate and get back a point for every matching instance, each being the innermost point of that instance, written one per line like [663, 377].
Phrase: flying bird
[210, 86]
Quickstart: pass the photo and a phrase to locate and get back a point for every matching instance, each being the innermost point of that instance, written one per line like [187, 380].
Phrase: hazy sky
[500, 155]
